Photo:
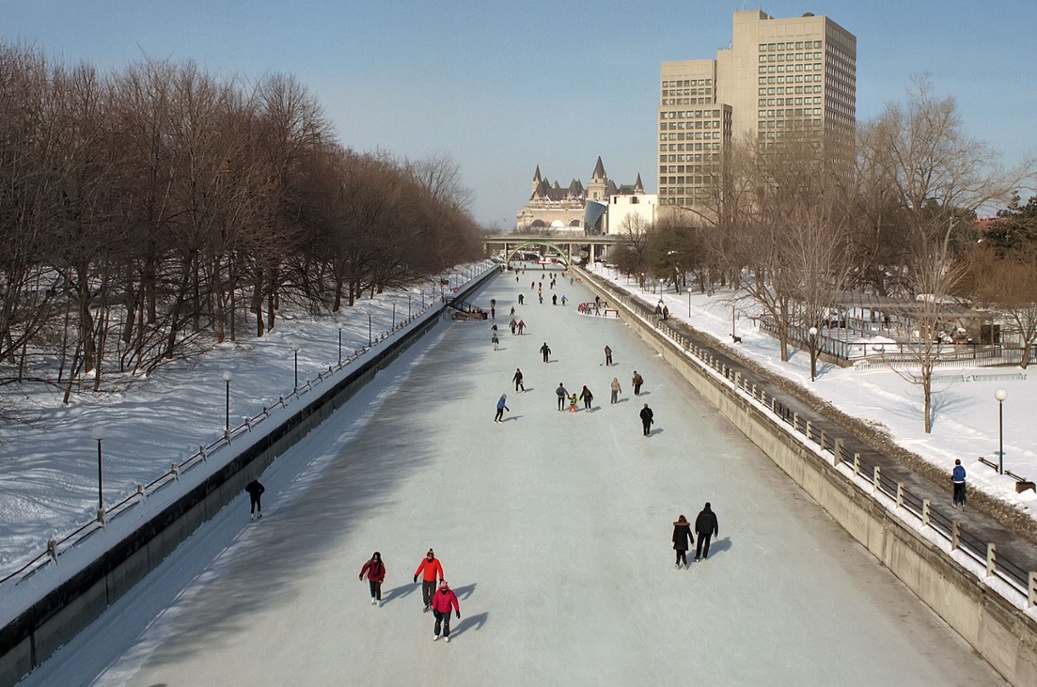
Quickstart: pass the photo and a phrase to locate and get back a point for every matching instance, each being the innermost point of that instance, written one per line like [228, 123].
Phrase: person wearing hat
[501, 407]
[707, 528]
[429, 569]
[442, 602]
[375, 571]
[682, 540]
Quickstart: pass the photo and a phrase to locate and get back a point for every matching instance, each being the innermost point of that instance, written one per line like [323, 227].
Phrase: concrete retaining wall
[999, 631]
[36, 634]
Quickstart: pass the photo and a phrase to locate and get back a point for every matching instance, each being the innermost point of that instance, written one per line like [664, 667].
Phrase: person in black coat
[647, 419]
[682, 540]
[706, 526]
[255, 492]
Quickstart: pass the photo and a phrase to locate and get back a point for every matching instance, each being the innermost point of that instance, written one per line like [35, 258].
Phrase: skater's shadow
[399, 592]
[653, 432]
[527, 389]
[510, 418]
[719, 546]
[469, 622]
[643, 393]
[464, 592]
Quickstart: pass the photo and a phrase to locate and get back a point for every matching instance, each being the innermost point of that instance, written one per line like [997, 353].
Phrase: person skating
[512, 315]
[495, 341]
[615, 390]
[572, 403]
[958, 480]
[546, 350]
[682, 540]
[562, 395]
[564, 299]
[636, 381]
[513, 324]
[519, 386]
[707, 528]
[521, 326]
[255, 493]
[429, 569]
[647, 418]
[586, 396]
[608, 356]
[442, 602]
[522, 299]
[501, 407]
[554, 299]
[375, 571]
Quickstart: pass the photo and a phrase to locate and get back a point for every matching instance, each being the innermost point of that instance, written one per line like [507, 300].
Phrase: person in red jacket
[429, 569]
[442, 602]
[375, 571]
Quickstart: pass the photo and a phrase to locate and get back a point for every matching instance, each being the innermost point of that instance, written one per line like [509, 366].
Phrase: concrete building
[779, 75]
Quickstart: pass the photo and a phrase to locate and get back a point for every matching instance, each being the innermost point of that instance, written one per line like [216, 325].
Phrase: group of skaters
[706, 528]
[440, 599]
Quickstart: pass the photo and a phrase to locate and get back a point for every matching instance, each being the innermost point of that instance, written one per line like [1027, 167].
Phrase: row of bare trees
[147, 212]
[796, 230]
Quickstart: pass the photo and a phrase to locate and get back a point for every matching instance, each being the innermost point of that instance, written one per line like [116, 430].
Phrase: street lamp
[1000, 395]
[370, 331]
[813, 353]
[340, 346]
[99, 432]
[295, 349]
[227, 377]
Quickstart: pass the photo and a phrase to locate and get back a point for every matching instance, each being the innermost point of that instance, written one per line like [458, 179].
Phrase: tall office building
[779, 75]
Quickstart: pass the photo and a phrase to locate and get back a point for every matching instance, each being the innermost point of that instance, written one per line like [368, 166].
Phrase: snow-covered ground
[553, 528]
[965, 417]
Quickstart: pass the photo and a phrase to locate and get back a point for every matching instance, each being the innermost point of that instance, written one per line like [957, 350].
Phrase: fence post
[837, 452]
[991, 558]
[900, 494]
[876, 479]
[856, 465]
[925, 512]
[955, 535]
[1031, 585]
[795, 421]
[809, 426]
[822, 440]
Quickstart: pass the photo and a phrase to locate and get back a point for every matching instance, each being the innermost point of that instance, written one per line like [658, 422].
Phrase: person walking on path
[706, 527]
[608, 356]
[562, 395]
[573, 399]
[501, 407]
[615, 390]
[513, 324]
[255, 493]
[958, 479]
[564, 299]
[375, 571]
[519, 386]
[636, 381]
[647, 418]
[429, 569]
[522, 299]
[513, 311]
[546, 350]
[443, 601]
[521, 326]
[586, 396]
[682, 540]
[496, 341]
[666, 313]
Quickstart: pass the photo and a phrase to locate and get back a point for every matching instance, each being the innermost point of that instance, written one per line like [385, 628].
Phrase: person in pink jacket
[442, 601]
[375, 571]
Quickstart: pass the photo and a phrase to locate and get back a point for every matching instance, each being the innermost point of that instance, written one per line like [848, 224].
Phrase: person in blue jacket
[501, 407]
[958, 479]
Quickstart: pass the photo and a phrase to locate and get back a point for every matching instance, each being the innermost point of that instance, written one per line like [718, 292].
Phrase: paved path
[553, 527]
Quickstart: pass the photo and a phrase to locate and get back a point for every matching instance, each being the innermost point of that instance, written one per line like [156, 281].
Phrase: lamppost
[340, 346]
[99, 432]
[813, 353]
[1000, 395]
[227, 377]
[370, 331]
[732, 321]
[295, 349]
[394, 316]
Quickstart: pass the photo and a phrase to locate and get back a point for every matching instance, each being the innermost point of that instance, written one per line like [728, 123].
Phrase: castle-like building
[575, 208]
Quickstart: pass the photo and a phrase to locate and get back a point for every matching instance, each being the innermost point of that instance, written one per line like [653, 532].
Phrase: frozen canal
[553, 528]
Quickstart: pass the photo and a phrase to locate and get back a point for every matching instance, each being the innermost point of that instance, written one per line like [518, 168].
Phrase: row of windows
[781, 90]
[765, 102]
[697, 157]
[676, 147]
[687, 82]
[696, 136]
[688, 101]
[690, 114]
[780, 124]
[797, 45]
[808, 78]
[792, 112]
[790, 57]
[780, 69]
[687, 91]
[680, 126]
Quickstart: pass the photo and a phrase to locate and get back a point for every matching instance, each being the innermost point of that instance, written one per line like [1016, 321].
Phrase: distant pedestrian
[513, 324]
[444, 600]
[608, 356]
[666, 313]
[513, 310]
[546, 350]
[586, 396]
[493, 312]
[554, 299]
[521, 326]
[255, 493]
[501, 407]
[682, 540]
[519, 386]
[958, 479]
[522, 299]
[564, 299]
[375, 571]
[707, 528]
[429, 569]
[647, 418]
[636, 381]
[597, 301]
[659, 309]
[615, 390]
[541, 297]
[573, 399]
[496, 341]
[562, 395]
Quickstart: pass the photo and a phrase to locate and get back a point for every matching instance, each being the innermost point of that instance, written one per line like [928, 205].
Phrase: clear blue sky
[503, 87]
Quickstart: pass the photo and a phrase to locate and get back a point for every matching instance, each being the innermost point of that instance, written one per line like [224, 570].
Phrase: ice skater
[255, 494]
[573, 400]
[682, 540]
[608, 356]
[615, 390]
[521, 326]
[647, 418]
[519, 386]
[444, 600]
[513, 324]
[958, 480]
[496, 341]
[636, 381]
[562, 395]
[501, 407]
[545, 350]
[429, 569]
[586, 396]
[375, 571]
[707, 528]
